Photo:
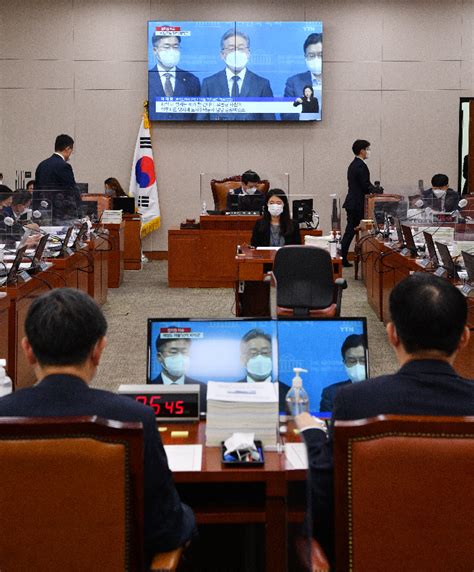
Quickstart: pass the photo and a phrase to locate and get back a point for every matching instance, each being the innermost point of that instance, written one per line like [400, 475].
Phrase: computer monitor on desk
[447, 261]
[247, 350]
[247, 203]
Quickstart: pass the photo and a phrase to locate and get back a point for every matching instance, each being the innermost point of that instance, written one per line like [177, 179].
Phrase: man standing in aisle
[359, 185]
[55, 172]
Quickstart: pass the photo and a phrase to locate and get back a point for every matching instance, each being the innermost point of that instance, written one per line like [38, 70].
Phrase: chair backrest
[71, 494]
[304, 276]
[221, 187]
[404, 496]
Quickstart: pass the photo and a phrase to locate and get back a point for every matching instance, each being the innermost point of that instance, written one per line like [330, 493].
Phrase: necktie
[235, 86]
[168, 86]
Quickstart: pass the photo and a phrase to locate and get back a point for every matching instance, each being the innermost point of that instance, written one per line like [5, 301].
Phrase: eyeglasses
[255, 353]
[314, 56]
[354, 361]
[169, 47]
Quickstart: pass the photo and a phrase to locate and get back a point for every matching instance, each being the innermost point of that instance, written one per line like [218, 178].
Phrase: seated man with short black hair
[440, 197]
[427, 331]
[247, 197]
[65, 337]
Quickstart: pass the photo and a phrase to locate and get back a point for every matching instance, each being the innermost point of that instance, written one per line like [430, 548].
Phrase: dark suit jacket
[358, 179]
[294, 88]
[168, 523]
[261, 234]
[54, 173]
[283, 389]
[186, 85]
[422, 387]
[253, 86]
[450, 203]
[188, 380]
[329, 393]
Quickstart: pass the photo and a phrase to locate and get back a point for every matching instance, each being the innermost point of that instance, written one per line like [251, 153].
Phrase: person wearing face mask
[247, 197]
[113, 188]
[173, 357]
[440, 197]
[296, 84]
[354, 358]
[236, 80]
[359, 185]
[256, 358]
[166, 79]
[276, 228]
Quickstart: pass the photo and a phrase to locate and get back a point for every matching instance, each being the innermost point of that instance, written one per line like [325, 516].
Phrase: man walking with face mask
[358, 180]
[236, 80]
[167, 80]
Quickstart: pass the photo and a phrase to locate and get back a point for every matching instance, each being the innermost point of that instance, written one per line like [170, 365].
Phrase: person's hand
[306, 421]
[33, 240]
[298, 100]
[32, 226]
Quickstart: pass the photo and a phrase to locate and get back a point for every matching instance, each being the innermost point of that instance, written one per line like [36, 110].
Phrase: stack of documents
[241, 408]
[111, 217]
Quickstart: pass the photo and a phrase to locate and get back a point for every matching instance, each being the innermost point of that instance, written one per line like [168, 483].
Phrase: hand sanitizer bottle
[5, 381]
[297, 399]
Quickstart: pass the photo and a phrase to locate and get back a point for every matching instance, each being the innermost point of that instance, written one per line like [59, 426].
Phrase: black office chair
[305, 285]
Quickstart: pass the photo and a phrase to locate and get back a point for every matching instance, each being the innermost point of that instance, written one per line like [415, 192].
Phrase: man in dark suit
[427, 331]
[55, 172]
[358, 180]
[236, 80]
[440, 197]
[65, 336]
[173, 357]
[256, 357]
[294, 87]
[354, 354]
[246, 197]
[167, 80]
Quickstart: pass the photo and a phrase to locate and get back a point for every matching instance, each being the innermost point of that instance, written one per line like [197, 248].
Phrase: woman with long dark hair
[276, 227]
[113, 188]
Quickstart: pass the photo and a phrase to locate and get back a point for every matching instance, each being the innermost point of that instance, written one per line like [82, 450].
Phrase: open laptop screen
[447, 261]
[469, 263]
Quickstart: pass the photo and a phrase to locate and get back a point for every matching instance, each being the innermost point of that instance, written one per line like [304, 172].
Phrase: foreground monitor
[247, 350]
[235, 71]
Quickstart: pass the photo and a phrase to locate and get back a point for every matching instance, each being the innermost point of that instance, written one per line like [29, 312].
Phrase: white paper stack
[320, 241]
[241, 407]
[111, 217]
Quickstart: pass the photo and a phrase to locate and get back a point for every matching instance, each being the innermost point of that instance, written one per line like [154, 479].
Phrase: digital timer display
[179, 404]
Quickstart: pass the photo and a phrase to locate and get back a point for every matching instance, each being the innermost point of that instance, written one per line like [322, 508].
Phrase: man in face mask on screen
[166, 79]
[354, 358]
[173, 356]
[236, 80]
[256, 357]
[294, 87]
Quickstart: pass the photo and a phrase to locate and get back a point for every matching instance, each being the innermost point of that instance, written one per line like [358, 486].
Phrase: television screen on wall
[235, 71]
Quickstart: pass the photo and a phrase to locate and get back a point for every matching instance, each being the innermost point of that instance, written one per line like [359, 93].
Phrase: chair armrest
[341, 283]
[167, 561]
[319, 562]
[270, 277]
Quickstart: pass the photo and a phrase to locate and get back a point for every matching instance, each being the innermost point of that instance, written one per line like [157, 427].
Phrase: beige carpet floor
[145, 294]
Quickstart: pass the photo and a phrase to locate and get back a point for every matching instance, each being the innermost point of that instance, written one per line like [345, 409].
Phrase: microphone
[44, 204]
[8, 221]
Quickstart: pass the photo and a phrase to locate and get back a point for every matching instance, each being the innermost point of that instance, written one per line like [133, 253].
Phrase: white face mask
[259, 367]
[439, 193]
[169, 58]
[315, 65]
[237, 60]
[176, 365]
[356, 372]
[251, 190]
[275, 209]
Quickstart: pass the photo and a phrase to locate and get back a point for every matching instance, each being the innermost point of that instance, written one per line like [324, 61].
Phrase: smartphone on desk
[243, 460]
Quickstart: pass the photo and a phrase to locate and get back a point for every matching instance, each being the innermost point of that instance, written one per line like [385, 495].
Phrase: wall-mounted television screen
[235, 71]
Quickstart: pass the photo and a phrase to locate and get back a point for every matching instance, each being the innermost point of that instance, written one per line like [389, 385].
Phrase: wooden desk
[132, 242]
[223, 495]
[252, 295]
[21, 296]
[205, 257]
[97, 280]
[116, 253]
[4, 327]
[70, 271]
[382, 268]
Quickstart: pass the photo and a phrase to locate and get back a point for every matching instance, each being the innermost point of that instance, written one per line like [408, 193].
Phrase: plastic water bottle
[297, 399]
[338, 242]
[5, 381]
[332, 244]
[204, 208]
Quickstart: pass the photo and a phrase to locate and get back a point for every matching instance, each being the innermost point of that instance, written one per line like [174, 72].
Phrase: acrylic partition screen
[235, 71]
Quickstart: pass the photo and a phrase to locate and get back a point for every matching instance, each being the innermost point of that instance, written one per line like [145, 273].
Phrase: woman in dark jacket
[276, 227]
[308, 102]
